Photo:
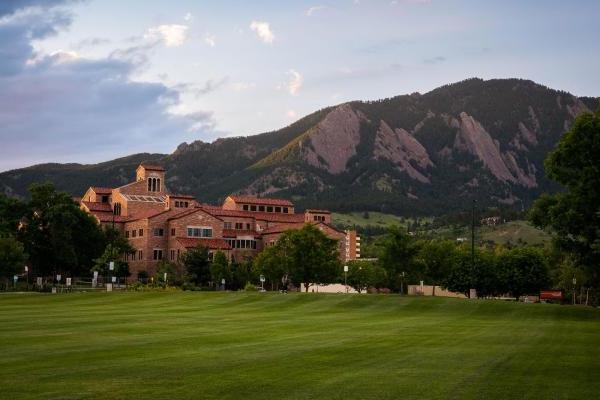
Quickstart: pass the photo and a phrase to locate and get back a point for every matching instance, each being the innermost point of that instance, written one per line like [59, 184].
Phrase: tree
[115, 255]
[11, 213]
[364, 274]
[12, 257]
[462, 275]
[398, 257]
[58, 236]
[306, 255]
[173, 275]
[435, 258]
[220, 269]
[523, 270]
[574, 215]
[271, 262]
[196, 264]
[311, 256]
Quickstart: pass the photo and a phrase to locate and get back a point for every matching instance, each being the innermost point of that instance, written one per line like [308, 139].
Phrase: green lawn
[190, 345]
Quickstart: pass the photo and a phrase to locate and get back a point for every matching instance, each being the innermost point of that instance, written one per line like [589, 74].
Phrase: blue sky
[87, 81]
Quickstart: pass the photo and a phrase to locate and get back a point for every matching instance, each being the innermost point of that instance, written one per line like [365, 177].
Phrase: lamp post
[346, 277]
[27, 272]
[574, 283]
[473, 234]
[402, 283]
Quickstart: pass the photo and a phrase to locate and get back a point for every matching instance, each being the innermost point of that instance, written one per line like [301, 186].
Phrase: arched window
[149, 184]
[158, 184]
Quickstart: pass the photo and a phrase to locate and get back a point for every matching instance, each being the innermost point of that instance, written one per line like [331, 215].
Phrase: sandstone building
[161, 225]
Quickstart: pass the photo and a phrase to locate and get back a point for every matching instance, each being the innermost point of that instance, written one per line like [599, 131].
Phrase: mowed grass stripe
[250, 345]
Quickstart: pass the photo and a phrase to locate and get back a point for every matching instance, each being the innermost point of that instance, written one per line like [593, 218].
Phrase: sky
[92, 80]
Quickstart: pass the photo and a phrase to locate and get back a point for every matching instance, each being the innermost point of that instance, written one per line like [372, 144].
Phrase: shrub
[250, 287]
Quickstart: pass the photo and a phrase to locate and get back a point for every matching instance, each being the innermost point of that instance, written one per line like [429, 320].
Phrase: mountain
[414, 154]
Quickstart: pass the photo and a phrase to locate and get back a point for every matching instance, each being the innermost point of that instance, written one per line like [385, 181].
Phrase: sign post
[262, 283]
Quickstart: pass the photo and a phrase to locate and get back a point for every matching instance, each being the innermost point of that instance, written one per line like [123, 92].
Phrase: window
[158, 254]
[133, 233]
[227, 225]
[159, 232]
[239, 225]
[203, 232]
[176, 203]
[185, 204]
[105, 199]
[261, 208]
[277, 209]
[141, 233]
[245, 207]
[248, 227]
[237, 244]
[252, 208]
[117, 209]
[314, 217]
[172, 255]
[154, 184]
[140, 255]
[285, 210]
[172, 231]
[126, 234]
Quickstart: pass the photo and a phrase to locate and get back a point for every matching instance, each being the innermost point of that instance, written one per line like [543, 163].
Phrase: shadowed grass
[299, 346]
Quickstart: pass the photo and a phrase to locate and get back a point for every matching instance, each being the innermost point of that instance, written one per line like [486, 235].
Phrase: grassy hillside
[515, 232]
[374, 219]
[296, 346]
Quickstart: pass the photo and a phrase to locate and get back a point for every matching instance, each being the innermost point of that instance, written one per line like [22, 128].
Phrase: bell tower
[154, 175]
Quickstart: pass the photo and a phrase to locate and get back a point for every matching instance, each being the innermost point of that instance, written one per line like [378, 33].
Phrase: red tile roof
[315, 210]
[101, 190]
[181, 196]
[230, 233]
[260, 216]
[108, 217]
[93, 206]
[213, 244]
[152, 167]
[282, 228]
[262, 201]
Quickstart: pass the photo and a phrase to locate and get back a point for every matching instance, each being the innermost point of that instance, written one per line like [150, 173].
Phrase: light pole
[27, 272]
[574, 283]
[473, 235]
[402, 283]
[346, 277]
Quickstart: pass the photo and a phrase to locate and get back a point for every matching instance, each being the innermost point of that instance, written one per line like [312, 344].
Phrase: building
[162, 225]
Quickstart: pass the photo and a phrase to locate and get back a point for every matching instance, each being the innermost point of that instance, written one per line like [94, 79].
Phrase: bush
[250, 287]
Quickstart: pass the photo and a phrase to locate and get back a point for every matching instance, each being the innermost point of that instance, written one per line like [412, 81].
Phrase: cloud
[434, 60]
[172, 35]
[295, 82]
[210, 40]
[314, 9]
[63, 107]
[263, 31]
[91, 42]
[199, 90]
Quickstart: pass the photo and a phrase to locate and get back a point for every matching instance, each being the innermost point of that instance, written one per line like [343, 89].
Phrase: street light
[346, 277]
